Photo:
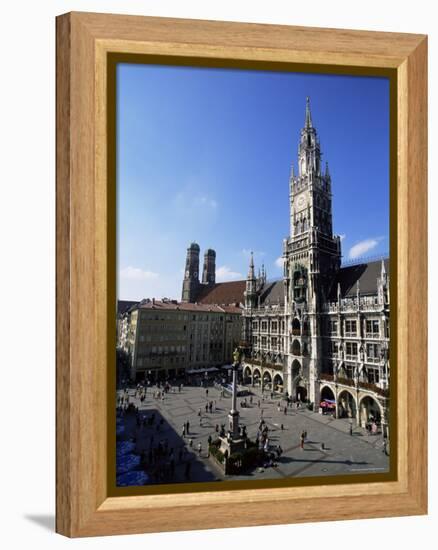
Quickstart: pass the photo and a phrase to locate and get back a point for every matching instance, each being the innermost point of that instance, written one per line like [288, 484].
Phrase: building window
[373, 376]
[372, 329]
[274, 326]
[254, 340]
[373, 353]
[351, 350]
[264, 341]
[255, 325]
[334, 348]
[274, 343]
[333, 327]
[264, 326]
[350, 328]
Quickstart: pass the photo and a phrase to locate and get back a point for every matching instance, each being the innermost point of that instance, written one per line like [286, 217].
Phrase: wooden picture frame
[85, 42]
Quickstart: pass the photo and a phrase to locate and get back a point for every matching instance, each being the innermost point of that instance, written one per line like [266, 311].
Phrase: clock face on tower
[187, 273]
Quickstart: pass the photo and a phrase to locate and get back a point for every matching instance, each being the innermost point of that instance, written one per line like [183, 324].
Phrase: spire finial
[308, 114]
[383, 270]
[251, 267]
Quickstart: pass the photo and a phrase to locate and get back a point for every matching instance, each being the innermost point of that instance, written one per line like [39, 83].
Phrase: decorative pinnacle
[327, 173]
[383, 269]
[308, 114]
[251, 267]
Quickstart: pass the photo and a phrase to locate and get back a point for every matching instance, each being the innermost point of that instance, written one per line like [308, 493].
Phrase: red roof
[173, 305]
[223, 293]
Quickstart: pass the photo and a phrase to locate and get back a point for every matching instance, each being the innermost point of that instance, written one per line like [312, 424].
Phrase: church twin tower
[191, 283]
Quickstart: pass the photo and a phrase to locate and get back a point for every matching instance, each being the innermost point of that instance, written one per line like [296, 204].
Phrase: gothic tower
[191, 274]
[250, 296]
[209, 269]
[312, 255]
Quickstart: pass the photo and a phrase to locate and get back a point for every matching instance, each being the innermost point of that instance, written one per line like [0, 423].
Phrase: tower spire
[383, 270]
[251, 268]
[308, 114]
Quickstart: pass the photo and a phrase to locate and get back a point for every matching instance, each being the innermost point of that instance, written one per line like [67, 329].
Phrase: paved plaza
[329, 448]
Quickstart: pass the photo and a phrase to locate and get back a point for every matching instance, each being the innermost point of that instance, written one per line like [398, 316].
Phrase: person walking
[302, 441]
[199, 448]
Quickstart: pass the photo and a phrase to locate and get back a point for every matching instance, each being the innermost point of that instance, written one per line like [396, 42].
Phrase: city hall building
[322, 332]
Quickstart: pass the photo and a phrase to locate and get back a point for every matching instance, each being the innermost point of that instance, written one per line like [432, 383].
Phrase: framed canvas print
[241, 216]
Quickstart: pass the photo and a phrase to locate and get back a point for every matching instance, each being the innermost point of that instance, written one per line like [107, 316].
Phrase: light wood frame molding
[83, 505]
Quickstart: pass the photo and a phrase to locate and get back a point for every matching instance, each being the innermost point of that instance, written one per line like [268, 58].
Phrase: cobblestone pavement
[342, 453]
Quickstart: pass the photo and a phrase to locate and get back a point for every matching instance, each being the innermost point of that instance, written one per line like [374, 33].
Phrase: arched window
[296, 348]
[296, 327]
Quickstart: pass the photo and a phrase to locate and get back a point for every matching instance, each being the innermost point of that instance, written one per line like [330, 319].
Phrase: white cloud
[362, 247]
[279, 262]
[224, 273]
[137, 274]
[206, 201]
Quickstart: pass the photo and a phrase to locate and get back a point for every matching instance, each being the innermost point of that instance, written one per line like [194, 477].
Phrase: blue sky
[205, 154]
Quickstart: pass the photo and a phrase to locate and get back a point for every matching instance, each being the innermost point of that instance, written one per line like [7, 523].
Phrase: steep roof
[173, 305]
[272, 293]
[367, 275]
[124, 305]
[222, 293]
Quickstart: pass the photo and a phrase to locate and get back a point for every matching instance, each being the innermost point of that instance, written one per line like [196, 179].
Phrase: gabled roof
[367, 275]
[222, 293]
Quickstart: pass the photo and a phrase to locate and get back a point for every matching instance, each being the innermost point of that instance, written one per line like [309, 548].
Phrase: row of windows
[169, 336]
[264, 341]
[372, 327]
[373, 351]
[185, 317]
[274, 326]
[371, 375]
[146, 361]
[168, 349]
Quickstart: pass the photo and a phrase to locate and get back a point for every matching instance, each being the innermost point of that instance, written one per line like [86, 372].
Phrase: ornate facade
[321, 333]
